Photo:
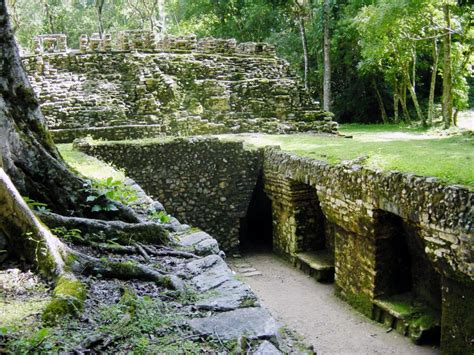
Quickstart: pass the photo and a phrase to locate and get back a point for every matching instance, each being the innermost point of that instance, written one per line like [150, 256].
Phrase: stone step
[409, 317]
[318, 264]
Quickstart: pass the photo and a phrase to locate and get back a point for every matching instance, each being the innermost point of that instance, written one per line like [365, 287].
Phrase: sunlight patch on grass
[88, 166]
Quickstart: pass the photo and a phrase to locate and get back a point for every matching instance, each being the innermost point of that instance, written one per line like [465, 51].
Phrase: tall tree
[447, 69]
[99, 5]
[327, 93]
[301, 10]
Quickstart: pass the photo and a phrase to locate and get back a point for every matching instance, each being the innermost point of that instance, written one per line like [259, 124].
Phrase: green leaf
[91, 198]
[96, 208]
[4, 330]
[111, 207]
[42, 333]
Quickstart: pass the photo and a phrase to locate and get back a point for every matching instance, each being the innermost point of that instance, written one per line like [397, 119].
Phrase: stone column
[457, 317]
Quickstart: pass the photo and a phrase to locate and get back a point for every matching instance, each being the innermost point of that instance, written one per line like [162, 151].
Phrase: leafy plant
[35, 205]
[67, 234]
[160, 216]
[102, 192]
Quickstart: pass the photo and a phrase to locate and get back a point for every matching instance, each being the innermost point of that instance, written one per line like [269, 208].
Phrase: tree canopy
[382, 56]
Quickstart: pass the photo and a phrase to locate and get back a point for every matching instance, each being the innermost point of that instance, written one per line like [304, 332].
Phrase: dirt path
[312, 309]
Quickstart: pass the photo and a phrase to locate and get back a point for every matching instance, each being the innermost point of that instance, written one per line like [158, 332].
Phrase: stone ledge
[318, 264]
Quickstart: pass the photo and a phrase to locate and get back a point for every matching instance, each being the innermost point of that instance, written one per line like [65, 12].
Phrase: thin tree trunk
[403, 101]
[396, 100]
[100, 7]
[49, 16]
[304, 43]
[447, 71]
[434, 72]
[327, 58]
[380, 102]
[455, 117]
[162, 15]
[411, 90]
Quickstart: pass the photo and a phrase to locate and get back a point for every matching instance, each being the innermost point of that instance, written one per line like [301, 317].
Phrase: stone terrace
[138, 86]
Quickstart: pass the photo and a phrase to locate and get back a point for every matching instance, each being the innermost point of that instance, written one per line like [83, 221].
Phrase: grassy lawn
[88, 166]
[386, 147]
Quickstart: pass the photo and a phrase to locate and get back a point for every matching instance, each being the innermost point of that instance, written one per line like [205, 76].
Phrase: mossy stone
[68, 298]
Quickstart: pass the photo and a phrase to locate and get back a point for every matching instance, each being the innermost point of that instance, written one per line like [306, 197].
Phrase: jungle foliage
[387, 60]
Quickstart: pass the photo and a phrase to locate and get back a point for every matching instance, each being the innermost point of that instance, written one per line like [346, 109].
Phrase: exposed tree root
[53, 258]
[123, 270]
[104, 247]
[142, 251]
[29, 157]
[178, 254]
[122, 232]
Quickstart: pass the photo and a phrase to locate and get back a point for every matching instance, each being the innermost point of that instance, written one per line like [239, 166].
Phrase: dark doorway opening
[256, 229]
[406, 280]
[315, 251]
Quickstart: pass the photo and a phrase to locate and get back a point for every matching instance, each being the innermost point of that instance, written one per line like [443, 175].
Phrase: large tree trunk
[327, 95]
[27, 150]
[30, 165]
[447, 71]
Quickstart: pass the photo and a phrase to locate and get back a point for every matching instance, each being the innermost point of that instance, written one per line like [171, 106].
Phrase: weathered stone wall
[378, 227]
[369, 211]
[204, 182]
[181, 86]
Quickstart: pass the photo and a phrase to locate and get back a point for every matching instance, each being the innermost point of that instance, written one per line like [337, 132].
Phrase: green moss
[126, 268]
[14, 312]
[359, 301]
[68, 298]
[248, 302]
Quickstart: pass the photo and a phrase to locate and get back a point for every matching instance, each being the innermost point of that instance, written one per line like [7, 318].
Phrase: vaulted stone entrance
[407, 289]
[256, 229]
[301, 232]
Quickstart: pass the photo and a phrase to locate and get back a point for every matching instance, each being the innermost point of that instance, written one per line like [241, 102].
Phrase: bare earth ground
[311, 309]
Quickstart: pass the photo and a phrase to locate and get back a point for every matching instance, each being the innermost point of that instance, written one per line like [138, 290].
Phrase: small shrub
[159, 216]
[68, 235]
[35, 205]
[102, 192]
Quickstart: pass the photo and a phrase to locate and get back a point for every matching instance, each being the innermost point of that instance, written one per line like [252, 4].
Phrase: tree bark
[327, 94]
[396, 101]
[447, 70]
[403, 101]
[162, 16]
[30, 165]
[100, 6]
[383, 113]
[434, 72]
[49, 16]
[411, 90]
[304, 44]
